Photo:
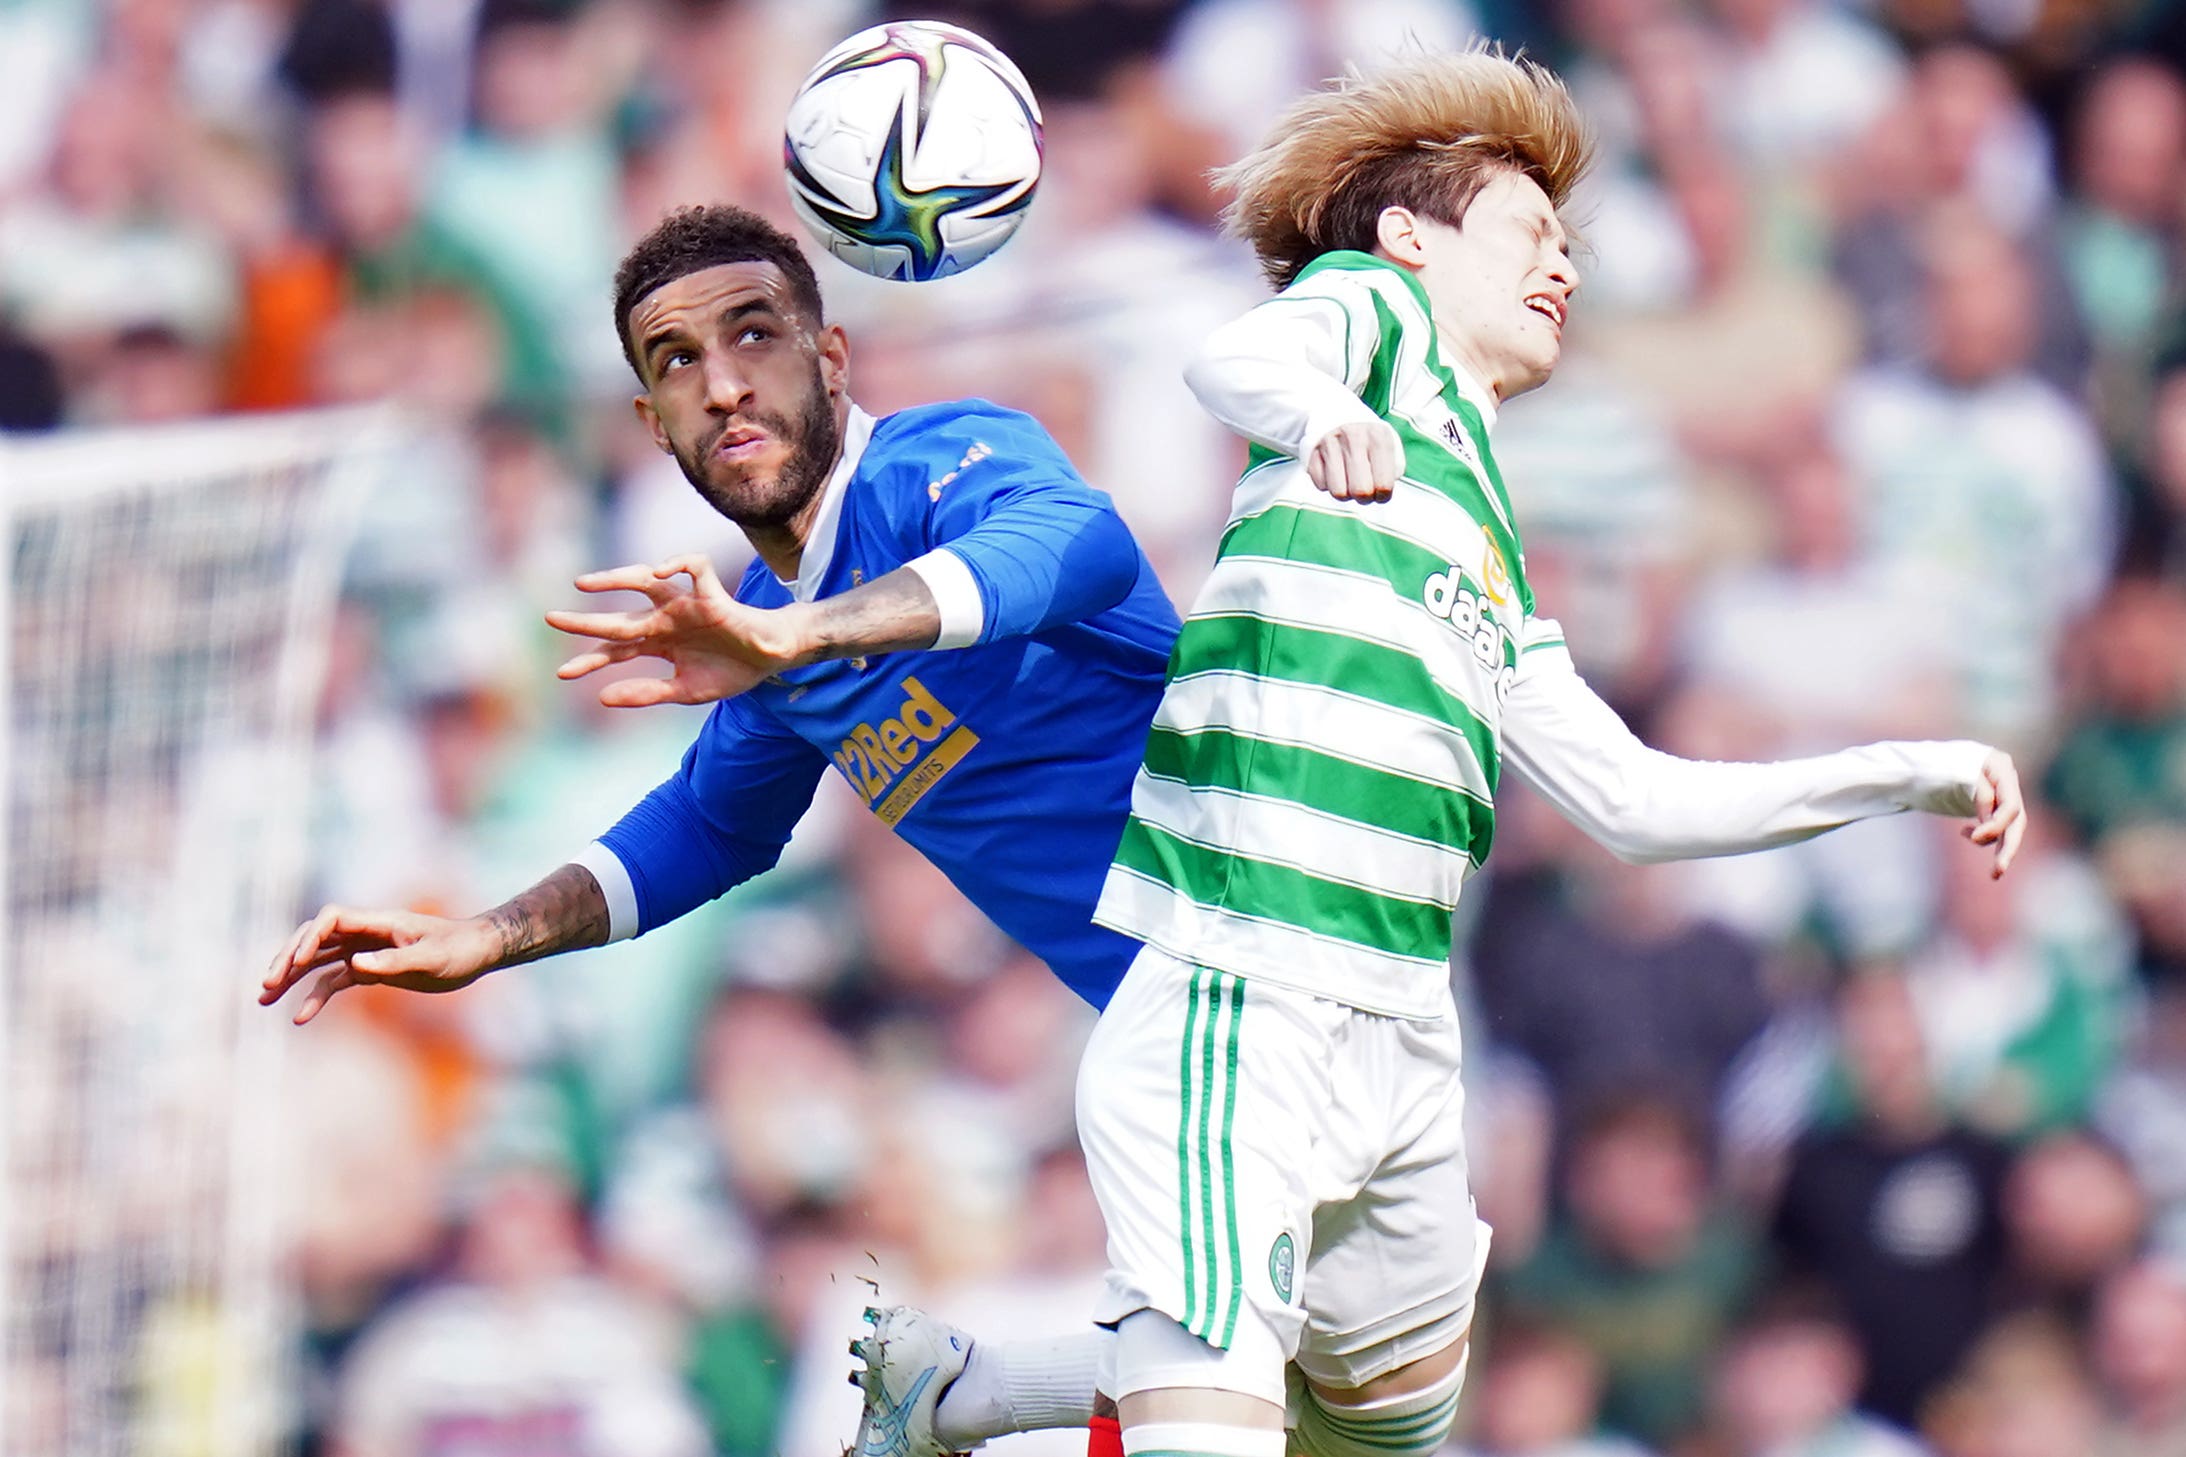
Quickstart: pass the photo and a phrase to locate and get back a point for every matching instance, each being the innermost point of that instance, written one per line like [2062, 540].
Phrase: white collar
[819, 549]
[1478, 395]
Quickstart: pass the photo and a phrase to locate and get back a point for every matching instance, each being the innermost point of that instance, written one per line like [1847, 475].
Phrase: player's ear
[835, 359]
[650, 419]
[1397, 236]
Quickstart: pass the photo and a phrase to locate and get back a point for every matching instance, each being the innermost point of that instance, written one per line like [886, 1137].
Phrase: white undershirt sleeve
[956, 593]
[613, 878]
[1287, 372]
[1644, 805]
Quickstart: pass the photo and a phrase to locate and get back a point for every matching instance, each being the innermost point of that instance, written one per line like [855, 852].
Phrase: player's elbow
[1211, 374]
[1619, 824]
[1637, 849]
[1104, 559]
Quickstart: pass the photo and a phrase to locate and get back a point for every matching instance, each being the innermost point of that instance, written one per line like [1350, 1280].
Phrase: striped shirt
[1319, 782]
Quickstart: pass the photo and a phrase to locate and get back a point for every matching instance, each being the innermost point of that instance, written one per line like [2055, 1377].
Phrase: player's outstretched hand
[349, 947]
[2000, 811]
[1359, 461]
[716, 646]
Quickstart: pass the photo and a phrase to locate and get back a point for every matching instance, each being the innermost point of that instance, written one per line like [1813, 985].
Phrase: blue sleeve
[1044, 547]
[722, 819]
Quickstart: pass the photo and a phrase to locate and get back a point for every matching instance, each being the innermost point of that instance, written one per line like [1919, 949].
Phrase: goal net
[167, 612]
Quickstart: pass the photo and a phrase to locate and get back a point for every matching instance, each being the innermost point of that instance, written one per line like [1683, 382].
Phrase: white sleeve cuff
[1946, 775]
[1338, 407]
[956, 593]
[615, 885]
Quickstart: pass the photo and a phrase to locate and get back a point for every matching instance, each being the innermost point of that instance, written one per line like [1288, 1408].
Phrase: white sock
[1022, 1386]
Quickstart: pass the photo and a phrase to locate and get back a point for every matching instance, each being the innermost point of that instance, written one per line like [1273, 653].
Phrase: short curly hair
[694, 238]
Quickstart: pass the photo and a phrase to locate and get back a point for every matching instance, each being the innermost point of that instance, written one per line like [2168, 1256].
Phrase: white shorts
[1282, 1175]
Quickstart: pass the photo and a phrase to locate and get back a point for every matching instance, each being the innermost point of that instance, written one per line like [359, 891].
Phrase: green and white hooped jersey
[1320, 778]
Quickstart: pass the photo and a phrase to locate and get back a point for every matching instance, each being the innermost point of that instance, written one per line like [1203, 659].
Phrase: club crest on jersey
[1283, 1266]
[894, 762]
[1495, 573]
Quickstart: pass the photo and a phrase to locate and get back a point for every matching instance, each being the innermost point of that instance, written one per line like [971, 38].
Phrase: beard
[751, 500]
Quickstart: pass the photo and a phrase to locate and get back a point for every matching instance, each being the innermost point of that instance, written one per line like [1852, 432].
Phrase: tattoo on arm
[886, 615]
[564, 912]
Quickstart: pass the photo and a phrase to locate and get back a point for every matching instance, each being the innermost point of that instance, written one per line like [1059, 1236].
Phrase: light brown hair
[1427, 134]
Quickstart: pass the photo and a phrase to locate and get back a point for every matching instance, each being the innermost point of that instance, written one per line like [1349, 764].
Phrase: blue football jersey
[1007, 761]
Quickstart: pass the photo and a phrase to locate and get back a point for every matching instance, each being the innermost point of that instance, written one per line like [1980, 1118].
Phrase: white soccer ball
[913, 150]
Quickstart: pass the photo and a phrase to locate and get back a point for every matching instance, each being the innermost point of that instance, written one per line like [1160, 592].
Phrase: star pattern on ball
[903, 216]
[920, 45]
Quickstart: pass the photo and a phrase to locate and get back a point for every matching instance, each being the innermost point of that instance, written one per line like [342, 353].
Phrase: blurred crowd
[1872, 423]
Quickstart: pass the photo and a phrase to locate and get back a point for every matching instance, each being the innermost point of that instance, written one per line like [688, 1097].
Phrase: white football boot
[910, 1359]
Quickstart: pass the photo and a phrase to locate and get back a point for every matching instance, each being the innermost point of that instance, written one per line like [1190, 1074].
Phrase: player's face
[1501, 284]
[742, 388]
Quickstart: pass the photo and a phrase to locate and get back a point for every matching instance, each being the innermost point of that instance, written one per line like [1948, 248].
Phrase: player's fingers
[643, 693]
[2009, 850]
[1997, 799]
[425, 954]
[310, 934]
[686, 564]
[323, 990]
[277, 969]
[1345, 465]
[600, 657]
[634, 578]
[2007, 808]
[698, 567]
[1320, 472]
[1387, 457]
[611, 626]
[326, 956]
[1358, 464]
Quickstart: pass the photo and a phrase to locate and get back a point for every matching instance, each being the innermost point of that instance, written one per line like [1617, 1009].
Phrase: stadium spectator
[1538, 1393]
[2073, 1214]
[1895, 1212]
[1640, 1268]
[2024, 1392]
[2017, 997]
[365, 158]
[1828, 451]
[524, 1349]
[540, 151]
[97, 249]
[1593, 970]
[1971, 468]
[2118, 234]
[2155, 531]
[2139, 1342]
[1785, 1384]
[2120, 766]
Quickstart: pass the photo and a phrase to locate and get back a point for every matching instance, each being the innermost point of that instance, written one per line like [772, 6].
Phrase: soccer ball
[912, 150]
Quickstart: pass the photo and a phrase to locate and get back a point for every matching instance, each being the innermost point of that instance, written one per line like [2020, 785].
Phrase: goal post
[168, 611]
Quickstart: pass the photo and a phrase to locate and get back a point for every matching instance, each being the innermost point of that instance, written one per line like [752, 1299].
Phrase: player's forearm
[667, 856]
[564, 912]
[893, 613]
[1645, 805]
[1666, 808]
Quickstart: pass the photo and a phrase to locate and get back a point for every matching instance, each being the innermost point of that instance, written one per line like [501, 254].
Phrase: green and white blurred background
[1872, 423]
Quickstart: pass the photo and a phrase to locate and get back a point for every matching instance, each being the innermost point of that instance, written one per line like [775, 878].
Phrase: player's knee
[1178, 1394]
[1405, 1414]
